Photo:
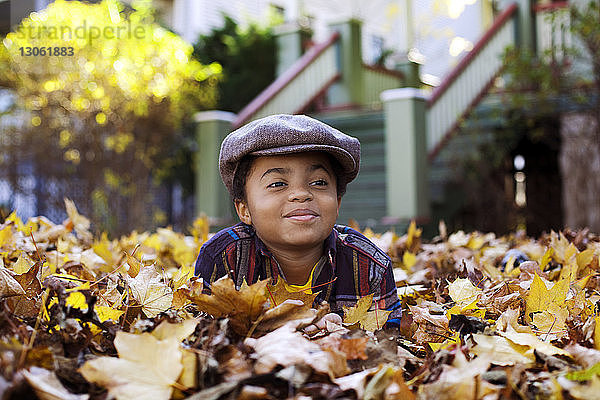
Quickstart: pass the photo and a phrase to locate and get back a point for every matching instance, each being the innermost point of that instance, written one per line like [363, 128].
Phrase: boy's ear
[339, 201]
[243, 212]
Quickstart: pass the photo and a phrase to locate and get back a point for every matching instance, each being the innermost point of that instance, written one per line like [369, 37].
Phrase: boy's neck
[297, 264]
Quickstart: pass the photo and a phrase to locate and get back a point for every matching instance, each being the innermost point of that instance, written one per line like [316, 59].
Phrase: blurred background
[480, 113]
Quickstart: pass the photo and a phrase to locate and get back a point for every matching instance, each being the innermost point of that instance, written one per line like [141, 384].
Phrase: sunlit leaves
[150, 292]
[369, 320]
[147, 366]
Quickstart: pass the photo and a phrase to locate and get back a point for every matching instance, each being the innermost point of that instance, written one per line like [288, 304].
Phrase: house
[409, 136]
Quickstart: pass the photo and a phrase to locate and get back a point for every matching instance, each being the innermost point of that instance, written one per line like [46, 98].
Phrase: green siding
[365, 197]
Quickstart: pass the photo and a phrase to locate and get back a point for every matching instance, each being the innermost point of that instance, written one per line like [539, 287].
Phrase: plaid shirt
[352, 267]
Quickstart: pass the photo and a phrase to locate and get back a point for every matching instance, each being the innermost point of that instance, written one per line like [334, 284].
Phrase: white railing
[293, 91]
[553, 29]
[376, 80]
[465, 85]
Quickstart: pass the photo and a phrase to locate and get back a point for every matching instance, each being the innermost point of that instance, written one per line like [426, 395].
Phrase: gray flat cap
[286, 134]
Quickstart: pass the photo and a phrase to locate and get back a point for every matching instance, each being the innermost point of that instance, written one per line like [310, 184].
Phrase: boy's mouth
[301, 214]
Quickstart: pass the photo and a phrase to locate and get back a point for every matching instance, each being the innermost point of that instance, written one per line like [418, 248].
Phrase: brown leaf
[354, 349]
[8, 285]
[242, 307]
[289, 310]
[28, 304]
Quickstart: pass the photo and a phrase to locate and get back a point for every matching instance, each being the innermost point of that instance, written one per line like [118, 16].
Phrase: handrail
[550, 6]
[384, 71]
[468, 59]
[283, 81]
[464, 87]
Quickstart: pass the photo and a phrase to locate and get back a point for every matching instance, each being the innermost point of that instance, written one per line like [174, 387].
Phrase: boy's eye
[320, 182]
[276, 184]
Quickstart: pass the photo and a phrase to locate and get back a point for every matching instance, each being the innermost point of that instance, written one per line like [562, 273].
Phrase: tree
[248, 57]
[104, 94]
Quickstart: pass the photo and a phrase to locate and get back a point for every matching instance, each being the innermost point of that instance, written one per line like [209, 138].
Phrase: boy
[286, 175]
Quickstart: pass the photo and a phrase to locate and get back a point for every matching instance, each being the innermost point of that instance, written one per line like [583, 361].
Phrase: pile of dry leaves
[484, 317]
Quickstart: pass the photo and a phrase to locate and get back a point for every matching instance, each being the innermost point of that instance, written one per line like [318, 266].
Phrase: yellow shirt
[306, 288]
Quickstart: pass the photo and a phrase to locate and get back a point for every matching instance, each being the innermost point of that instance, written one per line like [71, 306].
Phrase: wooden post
[406, 154]
[212, 197]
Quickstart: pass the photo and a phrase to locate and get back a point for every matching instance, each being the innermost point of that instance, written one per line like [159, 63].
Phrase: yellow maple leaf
[105, 313]
[368, 320]
[146, 368]
[451, 341]
[5, 235]
[105, 249]
[563, 249]
[182, 275]
[545, 260]
[200, 229]
[470, 310]
[77, 300]
[548, 303]
[412, 235]
[585, 258]
[408, 260]
[147, 289]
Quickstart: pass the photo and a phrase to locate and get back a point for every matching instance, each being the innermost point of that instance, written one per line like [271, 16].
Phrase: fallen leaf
[180, 331]
[463, 292]
[285, 346]
[549, 303]
[501, 350]
[147, 289]
[27, 305]
[460, 380]
[146, 368]
[242, 307]
[533, 342]
[9, 285]
[368, 320]
[48, 387]
[430, 328]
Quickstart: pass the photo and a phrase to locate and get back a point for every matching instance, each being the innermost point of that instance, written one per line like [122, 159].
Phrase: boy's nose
[300, 194]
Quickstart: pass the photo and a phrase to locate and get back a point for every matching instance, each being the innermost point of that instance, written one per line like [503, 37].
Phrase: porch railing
[303, 82]
[552, 29]
[469, 81]
[376, 80]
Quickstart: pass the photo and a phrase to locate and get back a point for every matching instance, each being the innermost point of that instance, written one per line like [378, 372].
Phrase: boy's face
[291, 200]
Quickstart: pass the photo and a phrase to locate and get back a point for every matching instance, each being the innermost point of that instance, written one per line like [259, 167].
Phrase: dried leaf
[27, 305]
[243, 307]
[146, 368]
[147, 289]
[285, 346]
[8, 285]
[368, 320]
[549, 303]
[47, 386]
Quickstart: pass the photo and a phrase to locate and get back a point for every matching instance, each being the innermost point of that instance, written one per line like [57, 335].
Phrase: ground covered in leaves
[485, 317]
